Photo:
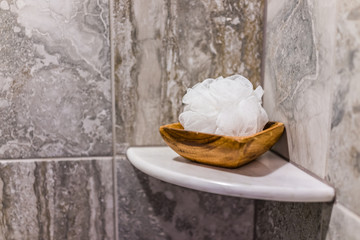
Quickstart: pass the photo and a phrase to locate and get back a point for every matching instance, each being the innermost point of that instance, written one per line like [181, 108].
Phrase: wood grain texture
[218, 150]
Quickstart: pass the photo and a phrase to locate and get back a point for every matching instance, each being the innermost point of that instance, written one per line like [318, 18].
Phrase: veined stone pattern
[55, 79]
[344, 154]
[56, 200]
[312, 84]
[164, 47]
[344, 224]
[151, 209]
[299, 54]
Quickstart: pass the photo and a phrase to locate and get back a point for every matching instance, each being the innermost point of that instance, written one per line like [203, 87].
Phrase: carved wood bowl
[218, 150]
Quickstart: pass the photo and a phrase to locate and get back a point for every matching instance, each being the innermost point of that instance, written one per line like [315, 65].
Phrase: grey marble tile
[56, 200]
[55, 79]
[291, 221]
[299, 52]
[344, 224]
[344, 154]
[151, 209]
[164, 47]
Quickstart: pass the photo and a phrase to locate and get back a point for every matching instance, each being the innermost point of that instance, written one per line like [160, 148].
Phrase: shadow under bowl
[219, 150]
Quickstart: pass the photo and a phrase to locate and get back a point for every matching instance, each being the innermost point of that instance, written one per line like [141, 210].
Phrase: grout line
[348, 211]
[262, 83]
[50, 159]
[113, 115]
[263, 52]
[112, 79]
[255, 204]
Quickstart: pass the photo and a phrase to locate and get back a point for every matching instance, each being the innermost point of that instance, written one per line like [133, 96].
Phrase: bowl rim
[274, 125]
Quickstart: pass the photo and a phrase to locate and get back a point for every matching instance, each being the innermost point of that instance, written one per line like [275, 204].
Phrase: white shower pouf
[225, 106]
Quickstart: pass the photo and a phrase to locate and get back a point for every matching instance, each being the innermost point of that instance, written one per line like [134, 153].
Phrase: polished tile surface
[56, 199]
[311, 84]
[152, 209]
[344, 153]
[55, 79]
[344, 224]
[298, 73]
[164, 47]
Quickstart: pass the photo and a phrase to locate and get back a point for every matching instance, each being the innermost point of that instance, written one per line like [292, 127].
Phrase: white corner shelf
[268, 178]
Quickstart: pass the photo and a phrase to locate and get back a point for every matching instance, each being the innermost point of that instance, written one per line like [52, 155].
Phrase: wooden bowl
[218, 150]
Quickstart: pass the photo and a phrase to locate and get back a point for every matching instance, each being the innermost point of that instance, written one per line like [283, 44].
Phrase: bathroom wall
[56, 128]
[151, 209]
[82, 81]
[55, 75]
[344, 150]
[164, 47]
[310, 80]
[160, 49]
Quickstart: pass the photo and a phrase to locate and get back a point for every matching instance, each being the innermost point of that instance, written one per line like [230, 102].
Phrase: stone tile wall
[62, 199]
[344, 155]
[344, 224]
[82, 81]
[291, 221]
[344, 151]
[311, 84]
[151, 209]
[55, 79]
[160, 49]
[56, 167]
[298, 67]
[61, 63]
[164, 47]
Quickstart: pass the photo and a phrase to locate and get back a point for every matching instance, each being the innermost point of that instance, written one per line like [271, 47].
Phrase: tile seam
[113, 115]
[348, 211]
[51, 159]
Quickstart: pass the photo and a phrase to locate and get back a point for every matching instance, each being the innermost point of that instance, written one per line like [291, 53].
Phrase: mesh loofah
[225, 106]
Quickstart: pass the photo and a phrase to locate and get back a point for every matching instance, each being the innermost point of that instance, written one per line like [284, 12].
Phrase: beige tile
[344, 224]
[298, 63]
[344, 153]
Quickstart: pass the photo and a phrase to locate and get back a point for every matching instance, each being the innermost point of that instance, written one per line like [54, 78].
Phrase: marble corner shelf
[269, 177]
